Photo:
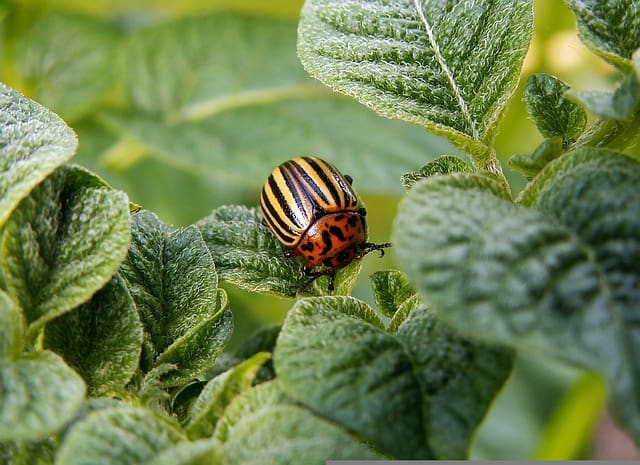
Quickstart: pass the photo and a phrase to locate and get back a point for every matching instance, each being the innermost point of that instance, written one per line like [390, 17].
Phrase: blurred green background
[188, 105]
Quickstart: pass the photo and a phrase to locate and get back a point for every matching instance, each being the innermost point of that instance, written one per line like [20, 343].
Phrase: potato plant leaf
[101, 339]
[551, 111]
[33, 143]
[248, 255]
[531, 164]
[118, 436]
[561, 277]
[188, 453]
[443, 164]
[63, 243]
[391, 290]
[28, 452]
[11, 328]
[67, 62]
[173, 281]
[244, 73]
[607, 182]
[610, 28]
[265, 427]
[218, 394]
[335, 356]
[622, 103]
[40, 394]
[447, 66]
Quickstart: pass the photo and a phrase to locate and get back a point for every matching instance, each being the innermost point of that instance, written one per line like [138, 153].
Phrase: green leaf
[552, 113]
[444, 164]
[173, 281]
[459, 378]
[248, 255]
[422, 61]
[220, 146]
[263, 340]
[391, 289]
[594, 194]
[28, 453]
[127, 9]
[244, 73]
[335, 356]
[263, 427]
[483, 261]
[236, 62]
[33, 143]
[39, 394]
[118, 436]
[11, 328]
[198, 349]
[101, 339]
[188, 453]
[562, 279]
[531, 164]
[620, 105]
[63, 243]
[218, 394]
[611, 28]
[67, 62]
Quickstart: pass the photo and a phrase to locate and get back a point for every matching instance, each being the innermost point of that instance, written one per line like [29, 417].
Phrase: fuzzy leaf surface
[173, 281]
[244, 73]
[481, 260]
[28, 453]
[33, 143]
[264, 427]
[444, 164]
[594, 193]
[248, 255]
[118, 436]
[447, 66]
[63, 243]
[622, 103]
[391, 290]
[611, 28]
[101, 339]
[67, 61]
[218, 394]
[562, 278]
[531, 164]
[553, 114]
[39, 394]
[335, 356]
[11, 328]
[188, 453]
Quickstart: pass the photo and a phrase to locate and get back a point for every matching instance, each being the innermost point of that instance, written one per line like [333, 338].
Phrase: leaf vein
[445, 69]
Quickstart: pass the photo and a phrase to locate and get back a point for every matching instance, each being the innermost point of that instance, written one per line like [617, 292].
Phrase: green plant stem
[609, 133]
[574, 420]
[488, 162]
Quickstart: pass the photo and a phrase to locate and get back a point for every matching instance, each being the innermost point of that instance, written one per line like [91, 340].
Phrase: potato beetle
[314, 212]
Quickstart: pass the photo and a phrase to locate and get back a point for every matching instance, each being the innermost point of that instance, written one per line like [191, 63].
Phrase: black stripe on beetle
[312, 209]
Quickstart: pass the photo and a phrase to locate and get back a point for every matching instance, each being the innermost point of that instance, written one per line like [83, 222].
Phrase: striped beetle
[312, 210]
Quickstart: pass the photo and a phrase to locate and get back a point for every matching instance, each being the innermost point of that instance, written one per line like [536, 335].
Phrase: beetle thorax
[333, 240]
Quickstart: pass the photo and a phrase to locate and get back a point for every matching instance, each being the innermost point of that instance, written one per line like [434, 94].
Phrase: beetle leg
[370, 247]
[313, 275]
